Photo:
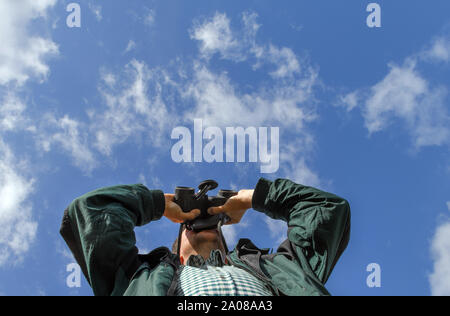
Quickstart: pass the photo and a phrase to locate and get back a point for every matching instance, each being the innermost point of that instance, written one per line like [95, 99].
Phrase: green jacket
[99, 229]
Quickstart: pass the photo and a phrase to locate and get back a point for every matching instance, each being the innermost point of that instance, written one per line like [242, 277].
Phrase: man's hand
[235, 207]
[174, 212]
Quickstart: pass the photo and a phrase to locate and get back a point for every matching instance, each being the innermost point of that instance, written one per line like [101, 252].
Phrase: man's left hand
[235, 207]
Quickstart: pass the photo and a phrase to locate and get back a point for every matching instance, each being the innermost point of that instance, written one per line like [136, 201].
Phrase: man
[99, 229]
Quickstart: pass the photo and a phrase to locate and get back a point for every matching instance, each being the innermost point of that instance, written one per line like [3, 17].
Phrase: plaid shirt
[213, 278]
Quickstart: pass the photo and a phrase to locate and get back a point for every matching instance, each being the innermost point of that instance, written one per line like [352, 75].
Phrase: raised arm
[318, 222]
[99, 229]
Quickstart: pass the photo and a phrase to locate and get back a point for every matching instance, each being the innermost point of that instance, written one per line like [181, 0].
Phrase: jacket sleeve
[101, 225]
[318, 222]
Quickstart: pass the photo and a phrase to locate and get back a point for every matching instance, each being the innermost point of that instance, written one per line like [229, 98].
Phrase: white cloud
[285, 59]
[285, 99]
[440, 250]
[134, 106]
[130, 46]
[22, 54]
[219, 102]
[69, 135]
[295, 167]
[71, 141]
[153, 183]
[96, 10]
[108, 78]
[11, 113]
[231, 232]
[404, 94]
[18, 229]
[277, 229]
[131, 108]
[439, 50]
[215, 36]
[349, 101]
[149, 18]
[48, 131]
[397, 93]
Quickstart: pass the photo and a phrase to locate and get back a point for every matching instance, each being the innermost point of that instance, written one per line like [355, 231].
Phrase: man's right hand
[174, 212]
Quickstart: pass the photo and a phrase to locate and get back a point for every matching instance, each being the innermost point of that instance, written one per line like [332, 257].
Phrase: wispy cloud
[23, 55]
[405, 95]
[149, 17]
[285, 100]
[70, 136]
[134, 106]
[295, 166]
[439, 50]
[440, 250]
[216, 36]
[18, 227]
[12, 115]
[277, 229]
[220, 102]
[130, 46]
[138, 102]
[231, 233]
[96, 10]
[218, 98]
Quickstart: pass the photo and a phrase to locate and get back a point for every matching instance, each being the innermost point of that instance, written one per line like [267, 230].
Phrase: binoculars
[188, 200]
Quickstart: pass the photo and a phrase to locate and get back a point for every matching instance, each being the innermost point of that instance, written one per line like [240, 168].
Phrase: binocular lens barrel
[181, 192]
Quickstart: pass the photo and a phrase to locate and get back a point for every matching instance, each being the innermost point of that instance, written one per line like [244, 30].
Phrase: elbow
[346, 206]
[340, 207]
[344, 209]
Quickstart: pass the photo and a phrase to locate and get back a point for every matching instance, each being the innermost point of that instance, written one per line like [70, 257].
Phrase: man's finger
[169, 196]
[191, 215]
[216, 210]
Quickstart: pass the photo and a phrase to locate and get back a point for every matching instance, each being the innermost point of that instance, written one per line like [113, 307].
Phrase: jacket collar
[215, 259]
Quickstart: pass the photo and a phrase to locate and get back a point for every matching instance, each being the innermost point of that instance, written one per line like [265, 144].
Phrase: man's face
[200, 243]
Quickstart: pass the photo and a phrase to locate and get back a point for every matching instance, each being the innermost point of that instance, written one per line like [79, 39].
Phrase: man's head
[198, 243]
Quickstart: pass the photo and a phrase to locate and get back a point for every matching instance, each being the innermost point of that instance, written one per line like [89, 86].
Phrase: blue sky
[362, 112]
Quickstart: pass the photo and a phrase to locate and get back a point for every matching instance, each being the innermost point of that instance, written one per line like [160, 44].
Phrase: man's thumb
[192, 214]
[215, 210]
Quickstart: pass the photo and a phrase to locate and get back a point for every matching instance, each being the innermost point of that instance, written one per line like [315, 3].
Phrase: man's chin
[204, 235]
